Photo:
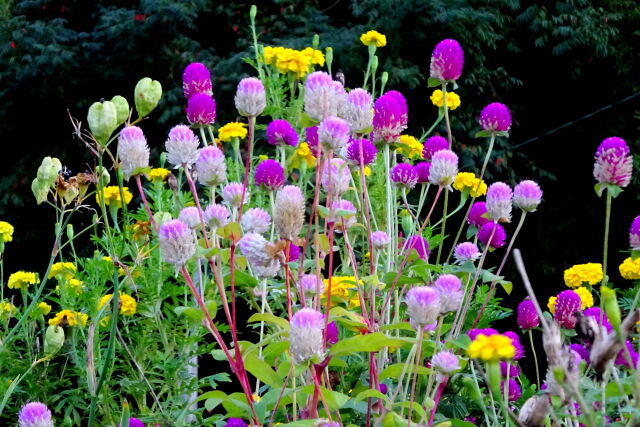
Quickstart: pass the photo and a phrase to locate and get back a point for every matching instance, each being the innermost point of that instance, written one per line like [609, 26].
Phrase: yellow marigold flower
[44, 308]
[158, 174]
[410, 147]
[373, 37]
[630, 269]
[69, 318]
[112, 195]
[22, 280]
[7, 310]
[63, 269]
[468, 180]
[437, 99]
[491, 348]
[271, 53]
[551, 305]
[128, 304]
[302, 154]
[585, 297]
[572, 277]
[367, 171]
[316, 56]
[340, 286]
[262, 157]
[6, 231]
[76, 285]
[293, 61]
[255, 398]
[590, 273]
[232, 130]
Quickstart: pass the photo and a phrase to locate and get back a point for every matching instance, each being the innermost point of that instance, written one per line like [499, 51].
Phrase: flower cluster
[491, 348]
[437, 98]
[590, 273]
[296, 62]
[468, 180]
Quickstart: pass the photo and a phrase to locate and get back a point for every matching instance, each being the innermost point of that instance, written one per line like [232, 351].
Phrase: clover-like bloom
[423, 305]
[527, 315]
[306, 335]
[190, 216]
[361, 149]
[335, 177]
[449, 288]
[613, 162]
[527, 195]
[196, 79]
[182, 146]
[499, 202]
[269, 174]
[255, 220]
[390, 117]
[445, 362]
[634, 234]
[358, 110]
[322, 96]
[567, 303]
[35, 414]
[478, 215]
[333, 133]
[420, 245]
[288, 215]
[133, 151]
[495, 117]
[447, 60]
[217, 216]
[465, 252]
[201, 109]
[380, 239]
[404, 175]
[211, 166]
[250, 99]
[422, 169]
[499, 236]
[444, 168]
[280, 132]
[177, 242]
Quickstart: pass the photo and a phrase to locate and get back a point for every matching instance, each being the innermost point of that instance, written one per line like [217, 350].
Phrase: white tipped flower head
[190, 216]
[182, 146]
[254, 247]
[449, 289]
[380, 239]
[305, 335]
[499, 202]
[133, 151]
[423, 305]
[35, 414]
[232, 194]
[322, 96]
[358, 110]
[255, 220]
[445, 362]
[310, 285]
[211, 167]
[333, 133]
[335, 177]
[444, 168]
[177, 242]
[250, 97]
[217, 216]
[288, 214]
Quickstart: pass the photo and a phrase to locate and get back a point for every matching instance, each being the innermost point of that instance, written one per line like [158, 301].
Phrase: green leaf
[371, 393]
[366, 343]
[614, 190]
[230, 231]
[395, 370]
[390, 277]
[307, 122]
[323, 243]
[507, 286]
[241, 279]
[300, 423]
[482, 134]
[433, 82]
[462, 341]
[323, 211]
[335, 400]
[261, 370]
[417, 408]
[270, 318]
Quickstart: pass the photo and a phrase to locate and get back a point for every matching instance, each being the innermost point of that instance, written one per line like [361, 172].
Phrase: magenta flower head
[201, 109]
[449, 288]
[322, 96]
[495, 117]
[133, 151]
[196, 79]
[527, 196]
[310, 285]
[621, 358]
[445, 362]
[337, 181]
[182, 146]
[345, 220]
[380, 240]
[211, 166]
[255, 220]
[567, 303]
[513, 389]
[358, 145]
[404, 175]
[499, 202]
[134, 422]
[447, 60]
[312, 139]
[527, 314]
[402, 103]
[217, 216]
[294, 252]
[190, 216]
[515, 340]
[280, 132]
[333, 133]
[423, 305]
[269, 174]
[35, 414]
[634, 234]
[509, 368]
[582, 351]
[254, 247]
[613, 162]
[389, 117]
[418, 243]
[232, 194]
[466, 252]
[432, 145]
[444, 168]
[477, 217]
[177, 242]
[250, 97]
[499, 236]
[332, 334]
[422, 169]
[473, 333]
[358, 111]
[600, 317]
[288, 214]
[235, 422]
[306, 335]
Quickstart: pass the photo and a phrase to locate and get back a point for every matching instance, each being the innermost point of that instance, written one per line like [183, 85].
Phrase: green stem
[606, 238]
[390, 251]
[535, 358]
[415, 374]
[446, 114]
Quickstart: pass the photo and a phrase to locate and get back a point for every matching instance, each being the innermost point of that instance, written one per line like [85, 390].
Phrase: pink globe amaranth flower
[422, 169]
[134, 422]
[515, 340]
[449, 288]
[358, 110]
[196, 79]
[444, 168]
[499, 236]
[495, 117]
[322, 96]
[582, 351]
[235, 422]
[310, 285]
[306, 335]
[190, 216]
[288, 214]
[634, 234]
[177, 242]
[613, 162]
[600, 317]
[255, 220]
[432, 145]
[476, 216]
[389, 118]
[404, 175]
[332, 333]
[473, 333]
[217, 216]
[280, 132]
[250, 97]
[333, 133]
[311, 134]
[211, 166]
[343, 221]
[337, 181]
[447, 60]
[445, 362]
[402, 103]
[294, 252]
[418, 243]
[182, 146]
[232, 194]
[465, 252]
[527, 314]
[254, 247]
[423, 305]
[35, 414]
[269, 174]
[380, 239]
[513, 389]
[567, 303]
[499, 202]
[527, 196]
[133, 151]
[623, 360]
[509, 368]
[201, 109]
[355, 146]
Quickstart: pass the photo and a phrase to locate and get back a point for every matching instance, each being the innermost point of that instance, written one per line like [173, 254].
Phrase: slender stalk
[444, 223]
[436, 400]
[445, 107]
[389, 205]
[145, 203]
[606, 238]
[535, 358]
[415, 374]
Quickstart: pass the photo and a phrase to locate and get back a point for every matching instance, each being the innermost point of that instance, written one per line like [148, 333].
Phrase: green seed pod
[122, 108]
[40, 190]
[253, 12]
[53, 340]
[147, 94]
[316, 41]
[103, 120]
[48, 171]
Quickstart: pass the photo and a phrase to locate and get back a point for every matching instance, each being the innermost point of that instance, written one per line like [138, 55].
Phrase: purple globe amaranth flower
[254, 247]
[232, 194]
[255, 220]
[250, 97]
[432, 145]
[582, 351]
[422, 169]
[527, 314]
[201, 109]
[35, 414]
[358, 111]
[473, 333]
[294, 252]
[389, 118]
[447, 60]
[182, 146]
[634, 234]
[404, 175]
[217, 216]
[332, 334]
[499, 236]
[211, 166]
[269, 174]
[495, 117]
[177, 242]
[311, 133]
[515, 340]
[402, 103]
[600, 316]
[418, 243]
[623, 360]
[509, 368]
[343, 221]
[361, 150]
[288, 214]
[527, 195]
[383, 388]
[134, 422]
[567, 303]
[380, 240]
[310, 285]
[445, 362]
[190, 216]
[333, 133]
[613, 162]
[423, 305]
[322, 96]
[335, 177]
[280, 132]
[306, 335]
[466, 252]
[449, 288]
[196, 79]
[235, 422]
[444, 168]
[499, 202]
[513, 389]
[477, 217]
[133, 151]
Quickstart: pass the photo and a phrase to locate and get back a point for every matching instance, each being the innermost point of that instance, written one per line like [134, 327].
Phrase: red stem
[286, 278]
[144, 202]
[436, 399]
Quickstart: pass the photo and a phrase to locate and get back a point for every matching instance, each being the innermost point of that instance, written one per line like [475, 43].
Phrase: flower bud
[147, 94]
[122, 108]
[53, 339]
[211, 166]
[103, 120]
[499, 202]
